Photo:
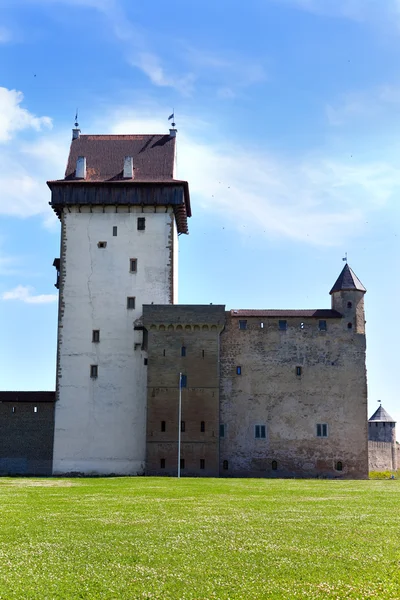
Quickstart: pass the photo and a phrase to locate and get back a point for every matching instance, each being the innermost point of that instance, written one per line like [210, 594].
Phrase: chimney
[173, 132]
[75, 133]
[80, 172]
[128, 167]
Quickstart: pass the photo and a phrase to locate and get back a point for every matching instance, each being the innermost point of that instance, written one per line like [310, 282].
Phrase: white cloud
[13, 118]
[5, 35]
[26, 294]
[363, 104]
[318, 199]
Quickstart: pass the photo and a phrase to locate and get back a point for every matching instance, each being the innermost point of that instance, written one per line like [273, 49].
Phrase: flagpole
[179, 424]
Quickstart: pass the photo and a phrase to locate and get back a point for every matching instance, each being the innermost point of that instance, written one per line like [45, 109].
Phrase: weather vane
[345, 257]
[76, 119]
[172, 117]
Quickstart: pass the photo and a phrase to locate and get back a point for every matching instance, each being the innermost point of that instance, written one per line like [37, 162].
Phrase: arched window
[339, 465]
[274, 465]
[349, 325]
[225, 465]
[349, 305]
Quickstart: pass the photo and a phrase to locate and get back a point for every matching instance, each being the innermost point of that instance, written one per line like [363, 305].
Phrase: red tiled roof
[153, 156]
[319, 313]
[27, 396]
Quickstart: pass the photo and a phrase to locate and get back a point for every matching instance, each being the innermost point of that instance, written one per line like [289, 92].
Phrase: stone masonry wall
[331, 390]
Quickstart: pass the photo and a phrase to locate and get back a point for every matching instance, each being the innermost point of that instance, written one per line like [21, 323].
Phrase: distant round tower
[348, 299]
[382, 430]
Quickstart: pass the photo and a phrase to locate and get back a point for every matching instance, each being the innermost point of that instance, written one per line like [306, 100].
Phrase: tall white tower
[121, 212]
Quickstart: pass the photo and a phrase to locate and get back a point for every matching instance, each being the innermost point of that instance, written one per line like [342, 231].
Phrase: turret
[348, 299]
[382, 429]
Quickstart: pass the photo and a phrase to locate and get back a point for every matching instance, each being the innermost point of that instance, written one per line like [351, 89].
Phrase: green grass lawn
[199, 538]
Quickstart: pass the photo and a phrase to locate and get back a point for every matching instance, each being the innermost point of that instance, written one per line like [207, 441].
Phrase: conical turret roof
[347, 280]
[381, 415]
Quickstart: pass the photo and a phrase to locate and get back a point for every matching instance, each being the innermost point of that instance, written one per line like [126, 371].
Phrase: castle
[257, 393]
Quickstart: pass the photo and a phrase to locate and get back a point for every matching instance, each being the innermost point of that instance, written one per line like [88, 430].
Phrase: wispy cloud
[26, 294]
[317, 199]
[363, 104]
[14, 118]
[5, 35]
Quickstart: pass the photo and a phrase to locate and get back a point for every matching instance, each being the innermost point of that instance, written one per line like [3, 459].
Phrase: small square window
[133, 265]
[322, 430]
[298, 371]
[183, 381]
[238, 370]
[259, 431]
[202, 426]
[162, 463]
[242, 324]
[202, 463]
[101, 244]
[222, 430]
[96, 335]
[282, 325]
[163, 426]
[182, 463]
[322, 325]
[115, 231]
[183, 426]
[130, 302]
[141, 223]
[94, 371]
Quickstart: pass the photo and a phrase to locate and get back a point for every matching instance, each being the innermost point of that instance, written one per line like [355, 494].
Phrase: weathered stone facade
[26, 433]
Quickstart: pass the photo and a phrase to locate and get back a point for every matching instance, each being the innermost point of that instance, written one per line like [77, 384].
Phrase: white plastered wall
[100, 423]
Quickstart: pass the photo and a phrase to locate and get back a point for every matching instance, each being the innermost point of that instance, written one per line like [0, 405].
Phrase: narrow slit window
[225, 465]
[202, 353]
[298, 371]
[164, 352]
[238, 370]
[141, 223]
[182, 463]
[162, 463]
[274, 465]
[96, 335]
[183, 426]
[262, 325]
[183, 381]
[94, 371]
[202, 426]
[133, 265]
[130, 302]
[35, 409]
[349, 305]
[202, 463]
[222, 430]
[282, 325]
[115, 231]
[339, 465]
[259, 431]
[163, 426]
[14, 410]
[145, 361]
[183, 351]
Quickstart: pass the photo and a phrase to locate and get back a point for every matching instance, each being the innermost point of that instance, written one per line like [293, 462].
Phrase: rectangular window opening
[202, 426]
[183, 426]
[222, 430]
[238, 370]
[96, 335]
[183, 381]
[15, 410]
[183, 351]
[202, 463]
[101, 244]
[182, 463]
[145, 362]
[133, 265]
[322, 326]
[94, 371]
[282, 325]
[259, 431]
[141, 223]
[202, 353]
[242, 324]
[298, 371]
[130, 302]
[322, 430]
[262, 325]
[162, 463]
[163, 426]
[115, 231]
[35, 409]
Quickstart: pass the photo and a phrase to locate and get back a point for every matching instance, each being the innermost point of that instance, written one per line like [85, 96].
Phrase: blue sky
[289, 134]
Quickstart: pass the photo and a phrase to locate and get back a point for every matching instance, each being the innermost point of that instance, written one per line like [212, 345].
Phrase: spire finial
[380, 402]
[76, 131]
[345, 257]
